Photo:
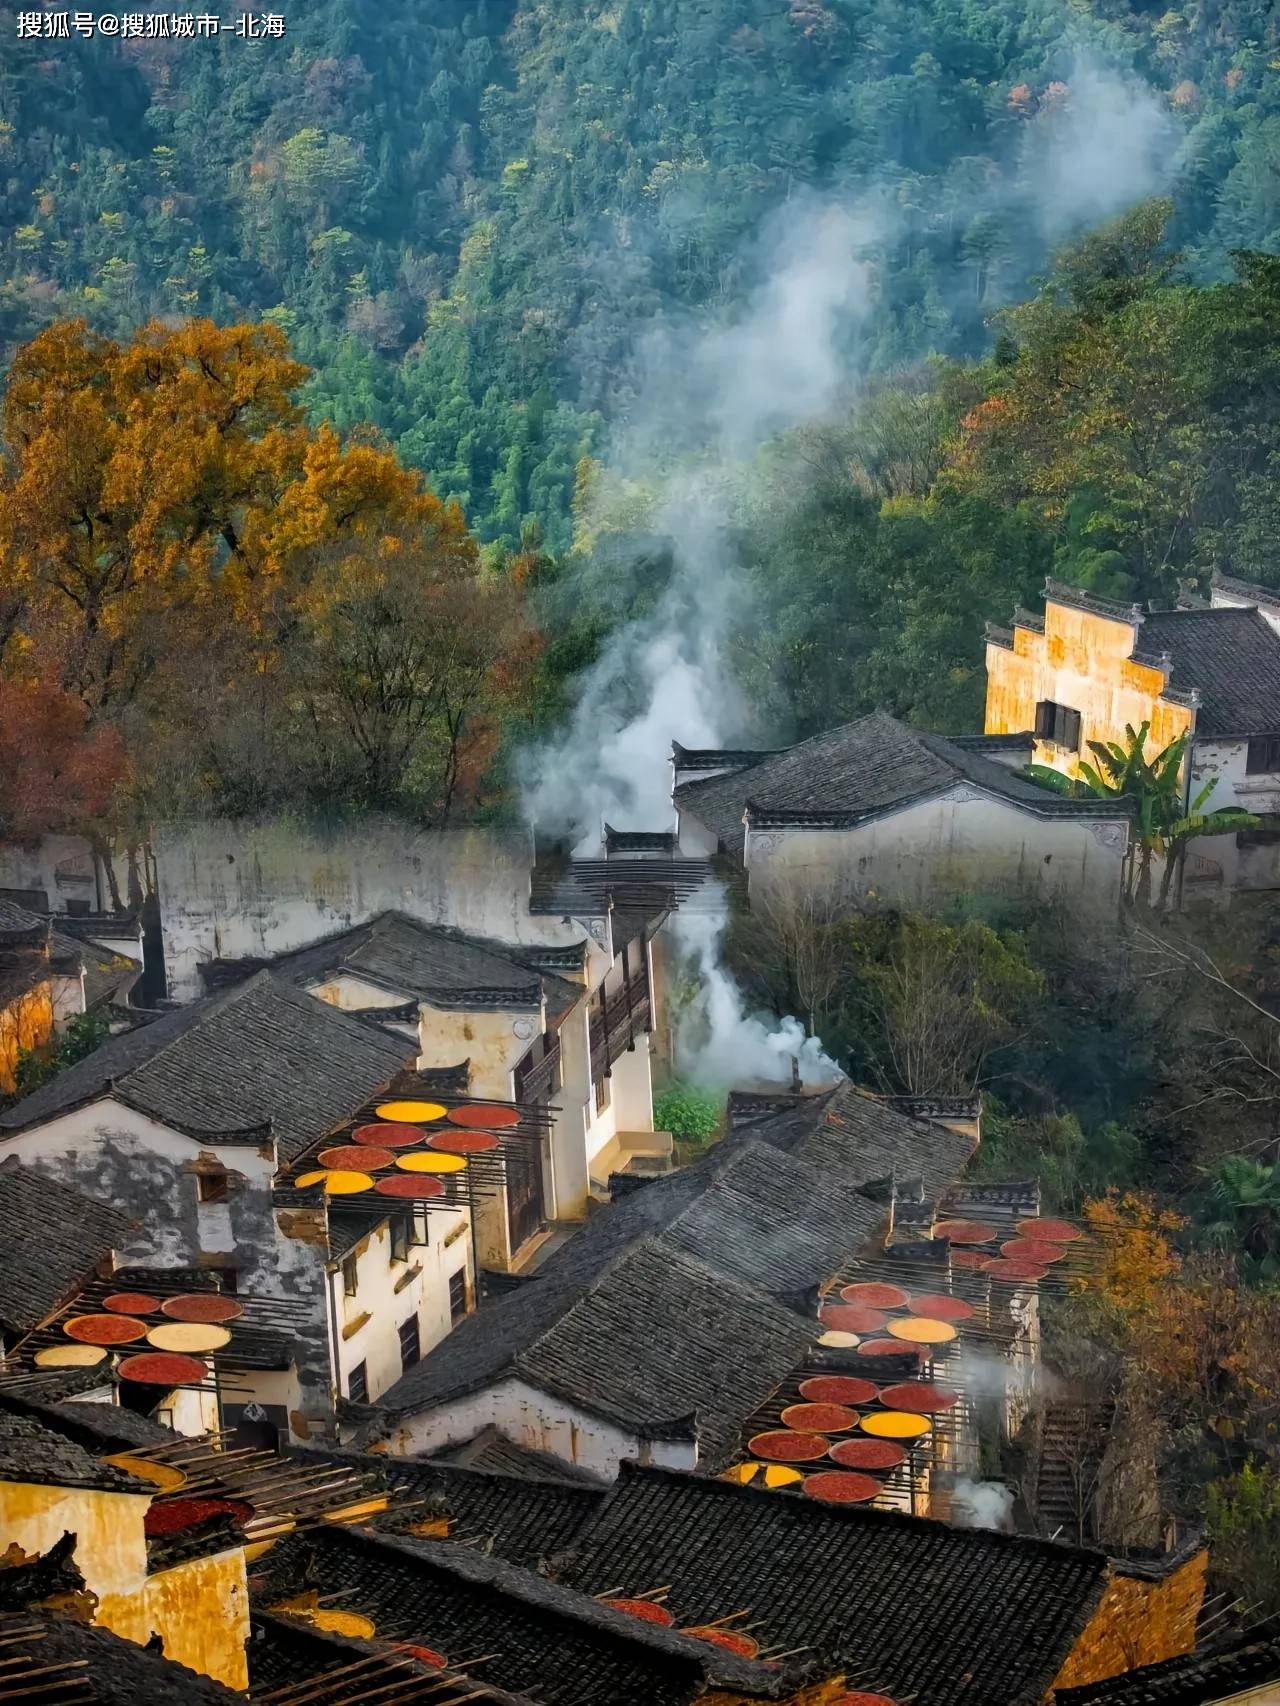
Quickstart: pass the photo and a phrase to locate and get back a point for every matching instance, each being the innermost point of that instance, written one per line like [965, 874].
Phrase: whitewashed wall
[542, 1423]
[389, 1292]
[947, 845]
[232, 890]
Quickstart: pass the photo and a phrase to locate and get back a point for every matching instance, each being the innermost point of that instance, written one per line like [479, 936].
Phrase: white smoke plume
[981, 1504]
[716, 394]
[719, 1043]
[709, 396]
[1099, 143]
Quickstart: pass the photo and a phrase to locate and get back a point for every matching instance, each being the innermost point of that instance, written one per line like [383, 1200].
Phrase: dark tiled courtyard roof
[914, 1608]
[33, 1453]
[51, 1241]
[286, 1650]
[1221, 1671]
[525, 1519]
[561, 1647]
[861, 771]
[435, 963]
[861, 1139]
[116, 1672]
[20, 928]
[657, 1342]
[98, 1427]
[264, 1054]
[1231, 656]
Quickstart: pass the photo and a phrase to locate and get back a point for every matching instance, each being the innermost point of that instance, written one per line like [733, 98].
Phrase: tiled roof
[862, 1139]
[434, 963]
[53, 1240]
[914, 1608]
[561, 1647]
[116, 1672]
[1222, 1670]
[656, 1343]
[286, 1651]
[492, 1451]
[33, 1453]
[524, 1518]
[263, 1053]
[640, 1316]
[1231, 656]
[99, 1427]
[20, 928]
[861, 771]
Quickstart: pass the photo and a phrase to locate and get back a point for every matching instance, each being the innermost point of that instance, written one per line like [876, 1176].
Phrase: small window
[1264, 755]
[399, 1239]
[211, 1187]
[603, 1092]
[358, 1384]
[420, 1225]
[1059, 724]
[410, 1343]
[457, 1295]
[350, 1279]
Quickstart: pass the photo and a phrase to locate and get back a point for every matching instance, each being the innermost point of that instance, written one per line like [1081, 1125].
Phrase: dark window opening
[211, 1187]
[1246, 838]
[400, 1239]
[603, 1092]
[358, 1383]
[78, 909]
[1059, 724]
[349, 1279]
[457, 1295]
[1264, 755]
[410, 1343]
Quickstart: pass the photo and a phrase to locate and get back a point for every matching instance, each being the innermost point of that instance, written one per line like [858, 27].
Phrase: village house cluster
[361, 1338]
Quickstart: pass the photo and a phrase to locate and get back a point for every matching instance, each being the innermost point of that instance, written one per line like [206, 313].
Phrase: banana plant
[1163, 822]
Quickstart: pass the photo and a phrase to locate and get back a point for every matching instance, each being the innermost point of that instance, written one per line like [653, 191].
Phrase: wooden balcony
[539, 1080]
[617, 1023]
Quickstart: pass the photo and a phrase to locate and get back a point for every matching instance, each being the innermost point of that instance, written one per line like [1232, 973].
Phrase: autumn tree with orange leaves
[184, 557]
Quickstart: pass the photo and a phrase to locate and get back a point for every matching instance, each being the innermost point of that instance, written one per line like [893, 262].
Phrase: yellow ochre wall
[199, 1609]
[25, 1023]
[1136, 1623]
[1082, 661]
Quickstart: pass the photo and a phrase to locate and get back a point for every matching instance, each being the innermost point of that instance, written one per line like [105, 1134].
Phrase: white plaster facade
[234, 890]
[943, 846]
[536, 1419]
[114, 1153]
[374, 1290]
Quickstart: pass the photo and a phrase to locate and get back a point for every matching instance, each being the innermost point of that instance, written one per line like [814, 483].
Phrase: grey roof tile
[261, 1053]
[562, 1647]
[1232, 657]
[53, 1240]
[862, 771]
[117, 1672]
[914, 1608]
[34, 1453]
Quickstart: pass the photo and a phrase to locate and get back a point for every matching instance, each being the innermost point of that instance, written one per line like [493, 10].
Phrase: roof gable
[860, 771]
[260, 1055]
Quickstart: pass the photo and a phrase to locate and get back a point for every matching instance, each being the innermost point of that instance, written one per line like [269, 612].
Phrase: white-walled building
[185, 1124]
[567, 1027]
[875, 810]
[674, 1315]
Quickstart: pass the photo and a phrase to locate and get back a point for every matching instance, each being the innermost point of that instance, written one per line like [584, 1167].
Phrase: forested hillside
[463, 211]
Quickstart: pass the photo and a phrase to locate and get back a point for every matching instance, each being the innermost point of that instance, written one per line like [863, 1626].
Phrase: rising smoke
[981, 1504]
[709, 397]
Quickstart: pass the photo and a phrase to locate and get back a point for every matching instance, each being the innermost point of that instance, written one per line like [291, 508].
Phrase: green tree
[1165, 821]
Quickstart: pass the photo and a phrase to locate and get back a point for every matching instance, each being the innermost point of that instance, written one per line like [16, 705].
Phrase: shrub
[690, 1115]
